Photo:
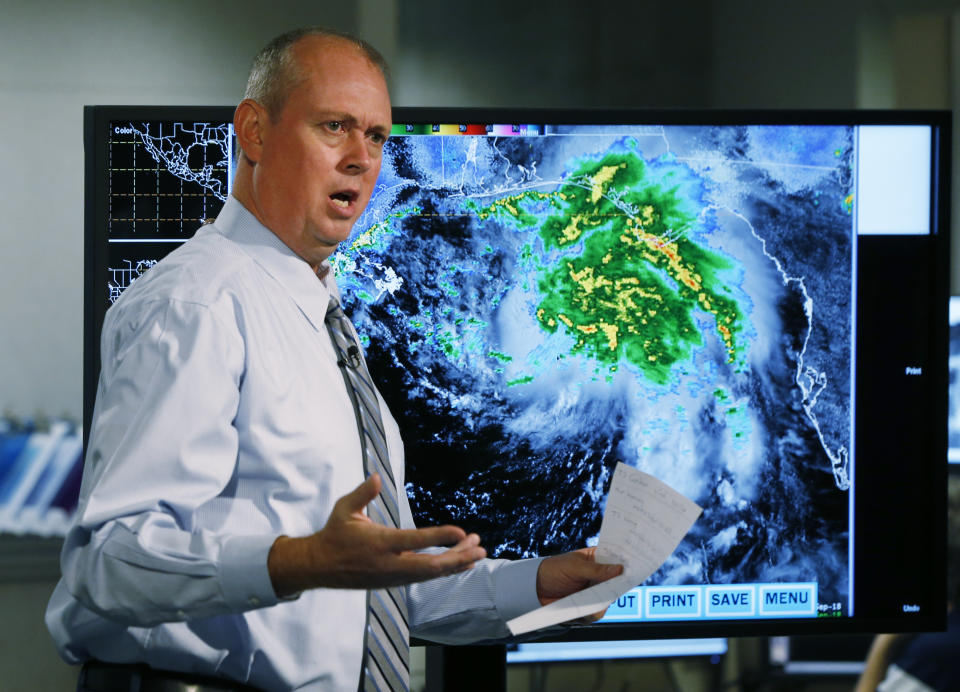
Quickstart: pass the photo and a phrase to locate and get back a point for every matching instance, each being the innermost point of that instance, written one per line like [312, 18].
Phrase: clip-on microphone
[353, 357]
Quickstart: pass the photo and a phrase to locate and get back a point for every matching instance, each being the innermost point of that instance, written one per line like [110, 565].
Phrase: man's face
[318, 162]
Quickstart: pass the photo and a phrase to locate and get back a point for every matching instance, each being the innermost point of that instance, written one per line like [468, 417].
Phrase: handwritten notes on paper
[643, 523]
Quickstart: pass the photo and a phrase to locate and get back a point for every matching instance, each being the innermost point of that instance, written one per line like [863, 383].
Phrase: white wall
[55, 57]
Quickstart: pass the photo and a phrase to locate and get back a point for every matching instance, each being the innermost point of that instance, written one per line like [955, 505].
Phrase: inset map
[166, 178]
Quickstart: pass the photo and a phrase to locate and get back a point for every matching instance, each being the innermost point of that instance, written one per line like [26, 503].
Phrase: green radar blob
[628, 278]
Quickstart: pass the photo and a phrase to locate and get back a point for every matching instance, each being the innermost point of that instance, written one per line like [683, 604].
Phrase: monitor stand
[466, 668]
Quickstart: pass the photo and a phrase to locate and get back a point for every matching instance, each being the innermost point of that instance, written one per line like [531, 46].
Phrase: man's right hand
[354, 552]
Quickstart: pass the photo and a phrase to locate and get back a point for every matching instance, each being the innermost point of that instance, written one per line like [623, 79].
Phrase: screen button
[784, 600]
[627, 606]
[674, 602]
[731, 601]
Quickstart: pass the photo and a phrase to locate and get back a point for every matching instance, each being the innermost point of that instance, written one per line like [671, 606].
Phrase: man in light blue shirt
[221, 530]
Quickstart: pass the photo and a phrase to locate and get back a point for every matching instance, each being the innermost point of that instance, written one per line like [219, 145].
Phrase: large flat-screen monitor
[751, 306]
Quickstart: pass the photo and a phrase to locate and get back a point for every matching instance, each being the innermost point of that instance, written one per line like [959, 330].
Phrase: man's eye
[335, 126]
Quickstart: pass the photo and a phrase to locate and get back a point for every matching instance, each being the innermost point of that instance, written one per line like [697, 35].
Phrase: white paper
[643, 523]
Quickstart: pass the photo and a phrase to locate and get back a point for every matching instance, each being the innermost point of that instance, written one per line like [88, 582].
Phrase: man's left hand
[562, 575]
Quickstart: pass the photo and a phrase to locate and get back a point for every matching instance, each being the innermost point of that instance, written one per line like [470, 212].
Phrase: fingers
[432, 565]
[464, 549]
[562, 575]
[354, 503]
[352, 551]
[419, 566]
[603, 572]
[589, 619]
[469, 549]
[429, 537]
[402, 540]
[587, 567]
[357, 499]
[470, 541]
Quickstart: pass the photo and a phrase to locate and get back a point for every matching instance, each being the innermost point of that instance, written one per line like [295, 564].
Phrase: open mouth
[344, 198]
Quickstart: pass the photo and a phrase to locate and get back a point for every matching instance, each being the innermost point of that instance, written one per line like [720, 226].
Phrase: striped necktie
[387, 646]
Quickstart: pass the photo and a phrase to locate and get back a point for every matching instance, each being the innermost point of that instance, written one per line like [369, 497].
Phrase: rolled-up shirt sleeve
[162, 448]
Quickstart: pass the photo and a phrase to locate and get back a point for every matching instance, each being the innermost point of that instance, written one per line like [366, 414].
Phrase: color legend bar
[513, 130]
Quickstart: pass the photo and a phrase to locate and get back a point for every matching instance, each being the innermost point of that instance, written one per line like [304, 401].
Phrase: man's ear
[248, 127]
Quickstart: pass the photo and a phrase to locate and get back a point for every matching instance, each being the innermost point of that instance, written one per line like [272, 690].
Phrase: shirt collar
[310, 293]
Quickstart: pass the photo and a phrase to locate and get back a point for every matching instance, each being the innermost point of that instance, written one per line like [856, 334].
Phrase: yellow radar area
[600, 181]
[628, 280]
[375, 238]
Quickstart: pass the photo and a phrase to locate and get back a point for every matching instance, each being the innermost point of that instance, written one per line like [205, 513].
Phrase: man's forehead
[322, 53]
[332, 67]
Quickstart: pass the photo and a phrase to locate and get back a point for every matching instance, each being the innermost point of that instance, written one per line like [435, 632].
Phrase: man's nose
[356, 155]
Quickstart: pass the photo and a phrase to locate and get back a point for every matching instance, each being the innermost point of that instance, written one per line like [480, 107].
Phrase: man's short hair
[275, 73]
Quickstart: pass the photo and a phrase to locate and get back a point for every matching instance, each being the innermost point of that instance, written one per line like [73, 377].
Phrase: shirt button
[182, 614]
[254, 601]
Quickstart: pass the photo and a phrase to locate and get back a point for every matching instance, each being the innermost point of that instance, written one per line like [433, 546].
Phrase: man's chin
[335, 234]
[323, 247]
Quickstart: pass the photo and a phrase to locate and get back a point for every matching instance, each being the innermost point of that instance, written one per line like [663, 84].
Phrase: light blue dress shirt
[222, 422]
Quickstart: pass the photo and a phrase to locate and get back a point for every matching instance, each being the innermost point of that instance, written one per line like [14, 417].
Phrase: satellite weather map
[538, 308]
